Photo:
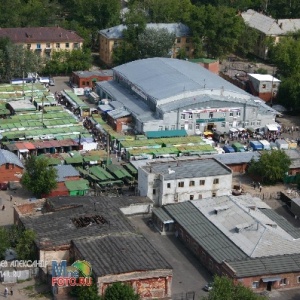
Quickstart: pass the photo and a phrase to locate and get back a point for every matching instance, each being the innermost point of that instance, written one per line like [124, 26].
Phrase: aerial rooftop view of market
[149, 150]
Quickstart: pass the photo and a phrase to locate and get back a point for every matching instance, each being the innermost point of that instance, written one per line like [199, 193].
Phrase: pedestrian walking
[11, 291]
[260, 187]
[11, 197]
[5, 292]
[3, 207]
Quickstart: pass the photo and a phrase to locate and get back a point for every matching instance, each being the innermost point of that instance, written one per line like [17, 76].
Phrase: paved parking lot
[188, 274]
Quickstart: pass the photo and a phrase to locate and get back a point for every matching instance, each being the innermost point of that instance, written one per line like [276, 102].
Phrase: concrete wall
[135, 209]
[10, 172]
[49, 255]
[149, 284]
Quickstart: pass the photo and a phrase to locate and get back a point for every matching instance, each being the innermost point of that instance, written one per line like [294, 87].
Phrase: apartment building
[43, 40]
[111, 37]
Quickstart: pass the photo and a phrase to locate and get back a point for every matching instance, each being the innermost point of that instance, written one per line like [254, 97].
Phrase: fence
[268, 196]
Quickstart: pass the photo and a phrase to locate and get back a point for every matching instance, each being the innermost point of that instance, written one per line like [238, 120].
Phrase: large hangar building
[171, 94]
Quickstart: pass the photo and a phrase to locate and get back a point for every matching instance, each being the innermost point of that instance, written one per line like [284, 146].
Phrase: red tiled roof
[40, 34]
[29, 146]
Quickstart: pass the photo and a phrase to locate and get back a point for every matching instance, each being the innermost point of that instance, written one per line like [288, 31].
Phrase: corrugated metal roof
[178, 29]
[204, 232]
[162, 215]
[100, 173]
[118, 254]
[268, 25]
[7, 157]
[161, 78]
[64, 171]
[266, 265]
[77, 185]
[118, 113]
[235, 158]
[188, 169]
[282, 222]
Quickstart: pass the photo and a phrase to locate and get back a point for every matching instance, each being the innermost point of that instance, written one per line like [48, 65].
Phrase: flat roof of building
[88, 74]
[264, 77]
[181, 169]
[120, 253]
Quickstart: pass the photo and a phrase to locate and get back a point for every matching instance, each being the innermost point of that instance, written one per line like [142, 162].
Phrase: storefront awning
[271, 279]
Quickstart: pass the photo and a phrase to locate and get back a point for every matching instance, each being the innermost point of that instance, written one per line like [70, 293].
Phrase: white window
[255, 284]
[238, 114]
[197, 126]
[283, 281]
[191, 197]
[38, 46]
[211, 115]
[160, 128]
[230, 124]
[182, 116]
[190, 126]
[216, 181]
[181, 184]
[172, 127]
[258, 123]
[246, 123]
[231, 114]
[190, 116]
[166, 127]
[198, 116]
[168, 185]
[223, 124]
[202, 182]
[67, 45]
[182, 127]
[57, 45]
[214, 194]
[192, 183]
[252, 123]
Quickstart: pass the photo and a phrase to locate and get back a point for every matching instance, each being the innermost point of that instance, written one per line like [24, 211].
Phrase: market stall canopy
[272, 127]
[233, 130]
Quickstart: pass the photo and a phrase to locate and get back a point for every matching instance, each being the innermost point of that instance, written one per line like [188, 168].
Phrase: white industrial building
[170, 94]
[182, 180]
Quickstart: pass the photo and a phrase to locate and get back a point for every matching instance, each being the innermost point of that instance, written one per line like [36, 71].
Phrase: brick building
[119, 119]
[87, 79]
[241, 237]
[95, 229]
[11, 168]
[212, 65]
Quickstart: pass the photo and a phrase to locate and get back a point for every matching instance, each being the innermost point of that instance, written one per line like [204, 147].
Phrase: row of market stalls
[72, 100]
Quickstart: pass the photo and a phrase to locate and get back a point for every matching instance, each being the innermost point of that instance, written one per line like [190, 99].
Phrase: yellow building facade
[43, 40]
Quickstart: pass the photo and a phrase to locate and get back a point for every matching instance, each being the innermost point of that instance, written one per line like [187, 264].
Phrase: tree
[155, 43]
[25, 245]
[225, 289]
[86, 292]
[39, 177]
[64, 62]
[118, 291]
[271, 166]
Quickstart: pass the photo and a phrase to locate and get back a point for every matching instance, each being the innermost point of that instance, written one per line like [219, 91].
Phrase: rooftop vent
[244, 226]
[219, 209]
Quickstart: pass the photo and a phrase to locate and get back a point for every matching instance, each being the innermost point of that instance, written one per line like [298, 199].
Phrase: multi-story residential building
[43, 40]
[182, 180]
[111, 37]
[269, 29]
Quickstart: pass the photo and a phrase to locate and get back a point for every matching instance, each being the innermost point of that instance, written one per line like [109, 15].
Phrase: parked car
[3, 186]
[208, 287]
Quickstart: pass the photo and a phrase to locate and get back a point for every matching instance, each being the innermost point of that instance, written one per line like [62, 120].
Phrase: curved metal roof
[162, 78]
